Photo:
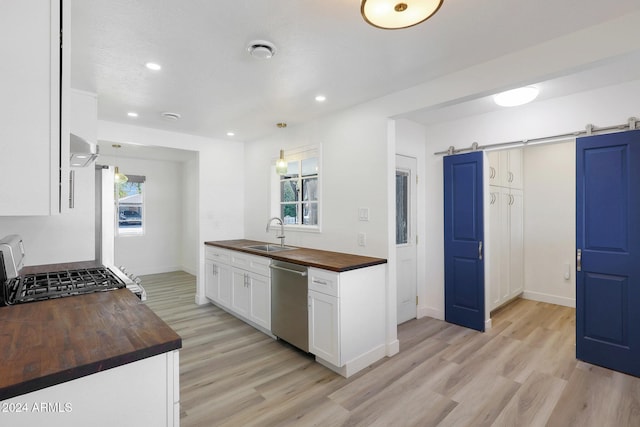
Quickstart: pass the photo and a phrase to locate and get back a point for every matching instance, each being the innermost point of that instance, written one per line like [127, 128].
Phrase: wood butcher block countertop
[334, 261]
[50, 342]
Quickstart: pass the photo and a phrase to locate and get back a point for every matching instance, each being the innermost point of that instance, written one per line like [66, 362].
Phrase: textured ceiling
[323, 47]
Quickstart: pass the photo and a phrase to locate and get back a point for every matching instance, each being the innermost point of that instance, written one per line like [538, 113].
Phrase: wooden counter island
[100, 359]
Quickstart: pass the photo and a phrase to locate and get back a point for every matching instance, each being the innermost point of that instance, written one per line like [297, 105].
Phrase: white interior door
[406, 250]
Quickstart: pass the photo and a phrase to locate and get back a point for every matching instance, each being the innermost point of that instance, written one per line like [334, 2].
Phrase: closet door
[608, 250]
[463, 240]
[494, 252]
[516, 243]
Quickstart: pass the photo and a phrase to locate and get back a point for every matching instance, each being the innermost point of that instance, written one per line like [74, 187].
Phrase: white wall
[159, 249]
[70, 236]
[220, 183]
[550, 222]
[353, 175]
[189, 252]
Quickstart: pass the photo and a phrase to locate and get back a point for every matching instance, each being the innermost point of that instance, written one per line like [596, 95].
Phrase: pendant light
[281, 164]
[396, 14]
[120, 178]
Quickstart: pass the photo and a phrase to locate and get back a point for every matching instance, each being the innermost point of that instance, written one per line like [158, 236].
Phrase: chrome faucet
[281, 236]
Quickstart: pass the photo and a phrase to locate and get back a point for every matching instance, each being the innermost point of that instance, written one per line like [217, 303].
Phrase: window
[129, 205]
[298, 192]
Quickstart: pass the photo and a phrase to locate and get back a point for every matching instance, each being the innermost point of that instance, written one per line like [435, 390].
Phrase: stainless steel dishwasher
[289, 320]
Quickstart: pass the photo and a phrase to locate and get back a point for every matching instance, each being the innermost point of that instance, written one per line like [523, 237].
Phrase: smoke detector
[261, 49]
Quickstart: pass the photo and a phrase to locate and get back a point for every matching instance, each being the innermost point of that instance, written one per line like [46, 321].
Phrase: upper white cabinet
[505, 168]
[34, 107]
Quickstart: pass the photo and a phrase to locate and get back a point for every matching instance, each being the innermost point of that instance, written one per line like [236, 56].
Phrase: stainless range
[18, 287]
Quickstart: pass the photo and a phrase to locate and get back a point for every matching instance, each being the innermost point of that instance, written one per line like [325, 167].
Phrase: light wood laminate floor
[523, 372]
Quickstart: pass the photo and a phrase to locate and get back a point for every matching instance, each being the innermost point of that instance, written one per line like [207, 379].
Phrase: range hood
[82, 152]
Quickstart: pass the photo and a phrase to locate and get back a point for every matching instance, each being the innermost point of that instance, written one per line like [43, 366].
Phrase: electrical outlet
[362, 239]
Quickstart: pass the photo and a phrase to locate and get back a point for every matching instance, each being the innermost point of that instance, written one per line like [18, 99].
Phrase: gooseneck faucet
[281, 236]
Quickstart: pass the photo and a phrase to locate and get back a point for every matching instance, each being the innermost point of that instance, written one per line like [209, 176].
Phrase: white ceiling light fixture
[261, 49]
[515, 97]
[153, 66]
[321, 98]
[394, 14]
[132, 114]
[231, 133]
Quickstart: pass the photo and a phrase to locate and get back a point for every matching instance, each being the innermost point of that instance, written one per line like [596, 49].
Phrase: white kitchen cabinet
[239, 283]
[505, 277]
[35, 102]
[346, 317]
[324, 331]
[141, 393]
[505, 168]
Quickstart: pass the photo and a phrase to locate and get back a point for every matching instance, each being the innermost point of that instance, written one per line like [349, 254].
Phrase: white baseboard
[488, 325]
[357, 364]
[393, 348]
[551, 299]
[189, 270]
[424, 311]
[201, 299]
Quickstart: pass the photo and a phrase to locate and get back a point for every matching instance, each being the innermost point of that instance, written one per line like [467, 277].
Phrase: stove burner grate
[43, 286]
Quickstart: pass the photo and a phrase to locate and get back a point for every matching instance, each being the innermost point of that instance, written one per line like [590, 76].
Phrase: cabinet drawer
[252, 263]
[326, 282]
[217, 254]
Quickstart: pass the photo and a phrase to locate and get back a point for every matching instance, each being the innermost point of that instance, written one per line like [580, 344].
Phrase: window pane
[292, 169]
[289, 213]
[402, 207]
[310, 166]
[130, 207]
[289, 190]
[310, 189]
[310, 213]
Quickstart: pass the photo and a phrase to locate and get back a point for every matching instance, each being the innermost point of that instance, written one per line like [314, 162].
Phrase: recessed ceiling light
[261, 49]
[153, 66]
[171, 116]
[230, 134]
[515, 97]
[132, 114]
[321, 98]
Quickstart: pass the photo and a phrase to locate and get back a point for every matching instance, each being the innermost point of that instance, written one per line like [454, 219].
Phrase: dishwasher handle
[288, 270]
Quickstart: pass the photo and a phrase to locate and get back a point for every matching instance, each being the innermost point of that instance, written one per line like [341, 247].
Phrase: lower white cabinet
[239, 283]
[347, 317]
[505, 249]
[324, 331]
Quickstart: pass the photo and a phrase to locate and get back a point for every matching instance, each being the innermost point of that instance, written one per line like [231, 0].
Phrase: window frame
[134, 231]
[298, 155]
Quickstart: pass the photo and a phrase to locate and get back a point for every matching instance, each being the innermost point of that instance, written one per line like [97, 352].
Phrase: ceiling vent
[171, 116]
[261, 49]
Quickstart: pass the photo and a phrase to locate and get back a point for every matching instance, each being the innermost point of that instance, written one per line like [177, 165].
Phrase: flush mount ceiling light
[153, 66]
[132, 114]
[515, 97]
[321, 98]
[171, 116]
[394, 14]
[261, 49]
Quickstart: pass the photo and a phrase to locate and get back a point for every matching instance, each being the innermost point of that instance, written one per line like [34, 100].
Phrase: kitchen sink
[270, 248]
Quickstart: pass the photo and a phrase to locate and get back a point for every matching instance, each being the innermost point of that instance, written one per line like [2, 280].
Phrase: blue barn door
[463, 240]
[608, 251]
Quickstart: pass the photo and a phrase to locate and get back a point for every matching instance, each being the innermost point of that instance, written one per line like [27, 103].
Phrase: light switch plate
[362, 239]
[363, 214]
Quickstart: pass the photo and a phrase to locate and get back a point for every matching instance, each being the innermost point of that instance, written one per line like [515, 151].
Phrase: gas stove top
[43, 286]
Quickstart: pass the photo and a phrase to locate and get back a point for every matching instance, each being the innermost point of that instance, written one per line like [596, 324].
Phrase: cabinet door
[240, 292]
[34, 96]
[324, 321]
[494, 250]
[514, 173]
[210, 281]
[505, 244]
[516, 244]
[260, 291]
[223, 276]
[494, 167]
